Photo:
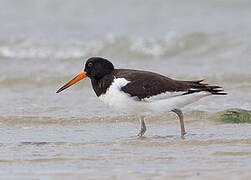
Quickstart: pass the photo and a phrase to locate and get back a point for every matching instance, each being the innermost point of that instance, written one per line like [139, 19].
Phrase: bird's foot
[143, 127]
[183, 135]
[141, 133]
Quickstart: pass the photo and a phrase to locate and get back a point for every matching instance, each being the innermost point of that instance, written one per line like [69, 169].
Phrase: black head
[97, 67]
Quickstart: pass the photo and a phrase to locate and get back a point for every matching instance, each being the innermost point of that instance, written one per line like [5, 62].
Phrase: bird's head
[95, 68]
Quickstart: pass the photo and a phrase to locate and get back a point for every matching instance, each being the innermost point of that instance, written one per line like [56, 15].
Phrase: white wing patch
[164, 95]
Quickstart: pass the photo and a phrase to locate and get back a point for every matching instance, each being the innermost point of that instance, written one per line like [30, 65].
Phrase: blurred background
[45, 43]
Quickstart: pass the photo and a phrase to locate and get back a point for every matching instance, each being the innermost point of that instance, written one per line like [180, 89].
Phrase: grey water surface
[72, 135]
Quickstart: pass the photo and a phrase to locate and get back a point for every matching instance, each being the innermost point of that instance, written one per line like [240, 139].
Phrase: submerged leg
[180, 115]
[143, 126]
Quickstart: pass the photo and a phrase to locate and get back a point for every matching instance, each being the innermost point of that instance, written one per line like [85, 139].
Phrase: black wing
[144, 84]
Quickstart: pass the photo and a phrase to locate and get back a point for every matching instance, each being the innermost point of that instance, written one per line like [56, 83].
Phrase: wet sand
[110, 149]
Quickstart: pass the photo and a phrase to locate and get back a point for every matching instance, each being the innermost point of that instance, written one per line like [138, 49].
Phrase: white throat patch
[114, 96]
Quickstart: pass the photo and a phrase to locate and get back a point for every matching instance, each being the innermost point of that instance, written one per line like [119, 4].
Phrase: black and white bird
[142, 93]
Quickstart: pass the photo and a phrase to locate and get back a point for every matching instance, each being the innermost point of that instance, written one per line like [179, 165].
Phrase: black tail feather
[197, 86]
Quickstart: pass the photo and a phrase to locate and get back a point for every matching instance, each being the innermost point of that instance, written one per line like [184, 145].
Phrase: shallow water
[108, 149]
[72, 135]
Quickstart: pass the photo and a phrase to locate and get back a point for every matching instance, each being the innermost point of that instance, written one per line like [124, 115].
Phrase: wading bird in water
[142, 93]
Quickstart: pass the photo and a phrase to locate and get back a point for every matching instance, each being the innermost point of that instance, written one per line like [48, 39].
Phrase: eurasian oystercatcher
[142, 93]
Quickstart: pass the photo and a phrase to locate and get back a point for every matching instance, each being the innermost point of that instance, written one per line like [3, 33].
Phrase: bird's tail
[197, 86]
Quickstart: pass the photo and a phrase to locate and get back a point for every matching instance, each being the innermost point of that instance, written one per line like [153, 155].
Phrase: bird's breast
[118, 99]
[114, 95]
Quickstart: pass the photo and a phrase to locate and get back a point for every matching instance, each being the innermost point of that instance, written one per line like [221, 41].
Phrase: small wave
[32, 49]
[53, 61]
[170, 45]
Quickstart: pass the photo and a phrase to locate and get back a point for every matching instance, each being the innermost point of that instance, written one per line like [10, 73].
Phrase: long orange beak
[82, 75]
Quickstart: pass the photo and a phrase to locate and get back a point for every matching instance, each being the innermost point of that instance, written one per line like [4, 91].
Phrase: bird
[142, 93]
